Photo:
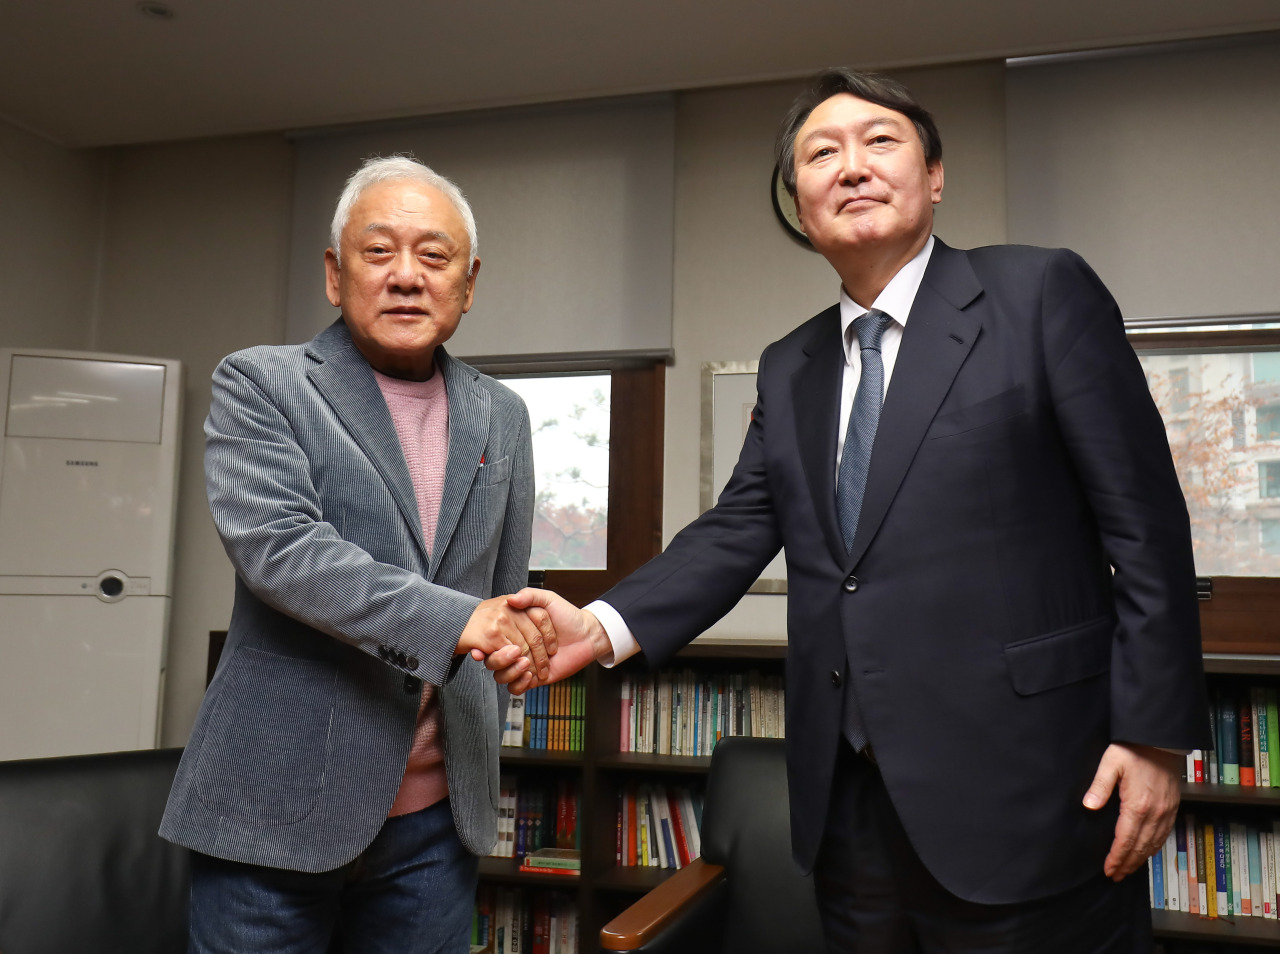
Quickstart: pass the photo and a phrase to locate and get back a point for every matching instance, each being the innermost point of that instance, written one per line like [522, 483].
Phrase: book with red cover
[677, 829]
[632, 826]
[1247, 775]
[539, 869]
[541, 924]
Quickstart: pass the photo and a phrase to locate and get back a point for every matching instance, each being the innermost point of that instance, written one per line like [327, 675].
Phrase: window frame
[636, 409]
[1238, 614]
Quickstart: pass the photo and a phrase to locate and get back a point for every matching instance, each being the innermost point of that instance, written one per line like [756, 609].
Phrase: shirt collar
[895, 301]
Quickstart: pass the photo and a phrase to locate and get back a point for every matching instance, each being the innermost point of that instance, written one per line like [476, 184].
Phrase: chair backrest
[81, 866]
[746, 827]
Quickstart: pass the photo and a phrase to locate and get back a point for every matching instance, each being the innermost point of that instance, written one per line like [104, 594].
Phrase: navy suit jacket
[994, 652]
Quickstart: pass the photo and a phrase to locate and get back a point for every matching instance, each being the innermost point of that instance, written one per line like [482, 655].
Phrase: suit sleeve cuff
[620, 638]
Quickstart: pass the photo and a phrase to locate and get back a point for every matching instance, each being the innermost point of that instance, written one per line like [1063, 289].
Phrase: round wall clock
[785, 207]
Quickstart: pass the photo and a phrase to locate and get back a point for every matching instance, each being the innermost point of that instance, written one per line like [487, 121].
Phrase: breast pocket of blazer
[993, 410]
[487, 501]
[1059, 658]
[496, 473]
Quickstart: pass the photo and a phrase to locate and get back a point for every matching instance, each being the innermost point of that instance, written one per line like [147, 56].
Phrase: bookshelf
[1255, 662]
[604, 888]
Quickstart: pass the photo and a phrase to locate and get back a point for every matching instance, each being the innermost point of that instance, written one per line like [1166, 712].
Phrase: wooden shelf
[507, 871]
[1244, 664]
[1257, 932]
[710, 647]
[1230, 794]
[512, 755]
[632, 879]
[643, 761]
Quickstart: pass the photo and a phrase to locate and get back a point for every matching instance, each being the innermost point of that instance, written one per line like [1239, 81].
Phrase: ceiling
[98, 72]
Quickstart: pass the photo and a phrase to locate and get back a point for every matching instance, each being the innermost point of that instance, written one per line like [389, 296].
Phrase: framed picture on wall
[728, 398]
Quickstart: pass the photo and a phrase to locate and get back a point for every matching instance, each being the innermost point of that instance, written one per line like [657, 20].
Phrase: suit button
[411, 663]
[412, 684]
[837, 680]
[851, 585]
[384, 652]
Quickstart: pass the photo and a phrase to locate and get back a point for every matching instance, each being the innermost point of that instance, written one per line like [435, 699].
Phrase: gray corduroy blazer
[341, 610]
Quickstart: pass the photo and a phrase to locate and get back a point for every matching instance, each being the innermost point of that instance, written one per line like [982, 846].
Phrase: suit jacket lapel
[937, 339]
[469, 410]
[346, 381]
[815, 389]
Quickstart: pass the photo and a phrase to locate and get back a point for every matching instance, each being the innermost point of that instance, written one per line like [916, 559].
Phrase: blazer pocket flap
[1057, 659]
[998, 407]
[494, 473]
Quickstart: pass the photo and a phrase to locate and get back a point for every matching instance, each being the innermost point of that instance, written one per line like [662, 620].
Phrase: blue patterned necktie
[864, 418]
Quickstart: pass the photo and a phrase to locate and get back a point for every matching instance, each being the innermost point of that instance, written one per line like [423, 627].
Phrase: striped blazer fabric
[342, 610]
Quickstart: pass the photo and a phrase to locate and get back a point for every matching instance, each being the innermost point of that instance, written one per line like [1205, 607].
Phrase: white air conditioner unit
[88, 492]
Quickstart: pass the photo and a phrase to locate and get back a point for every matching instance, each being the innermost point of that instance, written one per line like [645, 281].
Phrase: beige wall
[741, 282]
[194, 268]
[50, 231]
[189, 241]
[1160, 169]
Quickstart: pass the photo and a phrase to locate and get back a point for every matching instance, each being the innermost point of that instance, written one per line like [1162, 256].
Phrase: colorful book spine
[1228, 741]
[1254, 847]
[1246, 750]
[1262, 738]
[1222, 870]
[1211, 770]
[1184, 866]
[1209, 855]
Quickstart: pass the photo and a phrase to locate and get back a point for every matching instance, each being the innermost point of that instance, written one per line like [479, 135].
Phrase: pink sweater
[420, 410]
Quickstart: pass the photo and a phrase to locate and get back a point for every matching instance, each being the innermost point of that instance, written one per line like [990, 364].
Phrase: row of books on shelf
[681, 712]
[659, 826]
[1245, 723]
[522, 921]
[534, 814]
[1217, 868]
[548, 717]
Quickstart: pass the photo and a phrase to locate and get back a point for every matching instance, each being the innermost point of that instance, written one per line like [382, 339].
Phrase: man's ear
[935, 182]
[471, 285]
[332, 278]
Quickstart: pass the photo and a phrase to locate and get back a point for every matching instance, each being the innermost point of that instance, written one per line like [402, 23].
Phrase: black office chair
[744, 895]
[81, 866]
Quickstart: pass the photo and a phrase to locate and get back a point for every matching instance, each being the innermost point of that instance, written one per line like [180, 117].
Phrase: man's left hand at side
[1149, 796]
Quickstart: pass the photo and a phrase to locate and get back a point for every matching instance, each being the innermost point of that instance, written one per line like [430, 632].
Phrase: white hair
[388, 168]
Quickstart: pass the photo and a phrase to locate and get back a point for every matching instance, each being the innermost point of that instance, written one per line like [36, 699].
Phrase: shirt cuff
[619, 633]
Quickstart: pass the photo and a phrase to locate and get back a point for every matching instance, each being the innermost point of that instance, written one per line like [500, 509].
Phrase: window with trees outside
[1217, 385]
[597, 448]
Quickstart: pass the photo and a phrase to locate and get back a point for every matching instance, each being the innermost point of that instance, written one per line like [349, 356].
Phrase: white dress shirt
[895, 301]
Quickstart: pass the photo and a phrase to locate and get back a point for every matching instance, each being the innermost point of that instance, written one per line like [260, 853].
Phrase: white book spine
[1170, 854]
[1239, 868]
[1268, 875]
[1193, 866]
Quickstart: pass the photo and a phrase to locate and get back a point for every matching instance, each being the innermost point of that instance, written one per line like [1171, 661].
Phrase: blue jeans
[410, 892]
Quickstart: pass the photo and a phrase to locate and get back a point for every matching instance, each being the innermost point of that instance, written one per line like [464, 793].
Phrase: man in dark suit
[993, 632]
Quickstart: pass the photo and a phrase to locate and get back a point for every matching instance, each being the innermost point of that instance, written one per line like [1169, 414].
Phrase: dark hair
[874, 88]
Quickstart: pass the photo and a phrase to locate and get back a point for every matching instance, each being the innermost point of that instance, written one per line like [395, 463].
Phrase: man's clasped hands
[532, 638]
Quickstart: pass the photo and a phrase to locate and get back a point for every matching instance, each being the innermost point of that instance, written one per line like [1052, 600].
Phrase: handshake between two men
[532, 638]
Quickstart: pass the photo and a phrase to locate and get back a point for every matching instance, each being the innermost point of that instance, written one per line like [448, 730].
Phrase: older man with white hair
[374, 494]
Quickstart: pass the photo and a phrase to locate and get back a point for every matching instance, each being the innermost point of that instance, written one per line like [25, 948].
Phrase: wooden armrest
[639, 923]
